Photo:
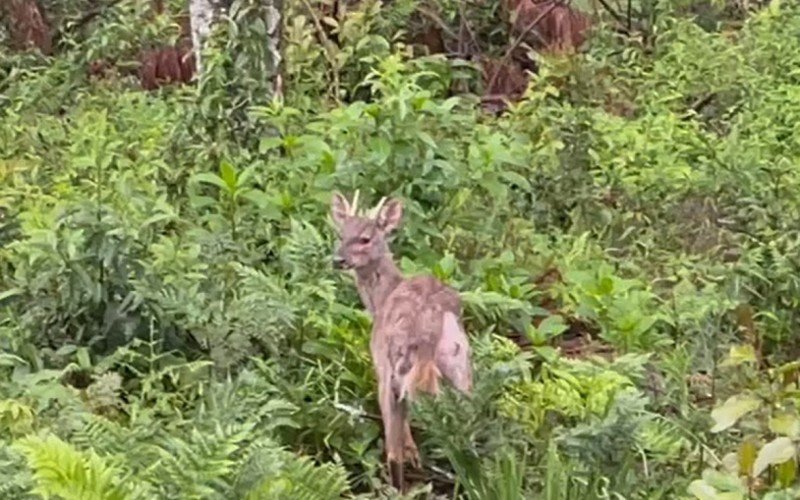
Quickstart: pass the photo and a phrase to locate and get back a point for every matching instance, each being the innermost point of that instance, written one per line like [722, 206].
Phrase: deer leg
[393, 414]
[410, 449]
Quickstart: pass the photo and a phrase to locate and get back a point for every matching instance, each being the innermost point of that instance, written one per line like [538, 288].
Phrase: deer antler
[373, 213]
[354, 207]
[370, 213]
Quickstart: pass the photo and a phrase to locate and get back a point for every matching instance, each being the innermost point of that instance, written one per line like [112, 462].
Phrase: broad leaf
[777, 451]
[740, 354]
[785, 423]
[732, 410]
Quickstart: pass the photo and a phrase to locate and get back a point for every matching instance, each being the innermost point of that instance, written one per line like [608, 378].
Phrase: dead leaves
[548, 25]
[28, 26]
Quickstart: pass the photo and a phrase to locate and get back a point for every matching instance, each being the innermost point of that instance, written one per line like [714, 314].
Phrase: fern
[61, 470]
[198, 467]
[103, 435]
[314, 482]
[662, 439]
[15, 478]
[270, 471]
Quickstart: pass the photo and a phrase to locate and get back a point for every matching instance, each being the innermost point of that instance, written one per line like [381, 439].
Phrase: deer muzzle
[339, 262]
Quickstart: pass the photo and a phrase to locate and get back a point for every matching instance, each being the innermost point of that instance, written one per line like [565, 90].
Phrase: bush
[623, 239]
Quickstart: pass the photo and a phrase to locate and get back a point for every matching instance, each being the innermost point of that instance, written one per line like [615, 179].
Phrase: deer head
[363, 235]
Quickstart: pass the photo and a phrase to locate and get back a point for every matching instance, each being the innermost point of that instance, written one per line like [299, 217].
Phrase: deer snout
[338, 262]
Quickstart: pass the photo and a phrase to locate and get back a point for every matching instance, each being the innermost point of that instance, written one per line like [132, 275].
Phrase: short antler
[369, 213]
[354, 205]
[375, 210]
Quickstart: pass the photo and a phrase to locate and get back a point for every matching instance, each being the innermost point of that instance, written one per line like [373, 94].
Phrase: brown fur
[417, 336]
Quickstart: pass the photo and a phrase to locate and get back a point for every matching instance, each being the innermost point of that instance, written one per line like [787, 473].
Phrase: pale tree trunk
[203, 14]
[274, 22]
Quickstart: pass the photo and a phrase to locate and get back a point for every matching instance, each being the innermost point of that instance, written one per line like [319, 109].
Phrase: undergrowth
[624, 239]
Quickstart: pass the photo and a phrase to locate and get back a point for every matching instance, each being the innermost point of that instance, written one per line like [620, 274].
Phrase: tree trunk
[202, 14]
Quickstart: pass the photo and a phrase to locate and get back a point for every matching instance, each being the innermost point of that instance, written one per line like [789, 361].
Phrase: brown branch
[325, 41]
[438, 21]
[521, 37]
[462, 12]
[698, 105]
[630, 15]
[617, 17]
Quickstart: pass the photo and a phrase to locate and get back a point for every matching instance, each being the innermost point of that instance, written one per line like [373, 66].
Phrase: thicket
[625, 239]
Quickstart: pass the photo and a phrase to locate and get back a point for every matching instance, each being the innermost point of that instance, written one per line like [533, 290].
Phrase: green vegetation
[171, 326]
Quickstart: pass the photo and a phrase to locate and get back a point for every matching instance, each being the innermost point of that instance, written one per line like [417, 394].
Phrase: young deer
[417, 335]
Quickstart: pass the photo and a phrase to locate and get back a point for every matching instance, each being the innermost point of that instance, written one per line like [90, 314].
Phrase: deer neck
[375, 283]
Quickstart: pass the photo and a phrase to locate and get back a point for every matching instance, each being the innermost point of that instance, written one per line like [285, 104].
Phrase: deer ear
[340, 209]
[390, 215]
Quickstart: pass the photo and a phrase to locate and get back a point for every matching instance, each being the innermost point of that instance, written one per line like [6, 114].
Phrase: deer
[417, 333]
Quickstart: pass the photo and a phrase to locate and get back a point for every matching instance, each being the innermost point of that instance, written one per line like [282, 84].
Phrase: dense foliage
[625, 239]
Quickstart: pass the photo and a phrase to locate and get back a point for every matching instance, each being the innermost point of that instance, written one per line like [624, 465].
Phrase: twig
[325, 41]
[617, 17]
[630, 16]
[521, 37]
[698, 105]
[462, 12]
[438, 21]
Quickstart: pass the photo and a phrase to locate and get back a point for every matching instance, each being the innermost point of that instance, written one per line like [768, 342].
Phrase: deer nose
[338, 262]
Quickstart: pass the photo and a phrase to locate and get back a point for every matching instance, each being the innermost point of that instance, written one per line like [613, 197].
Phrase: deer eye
[364, 240]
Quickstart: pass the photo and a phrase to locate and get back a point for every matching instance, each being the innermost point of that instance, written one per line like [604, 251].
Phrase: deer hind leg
[395, 421]
[410, 448]
[453, 354]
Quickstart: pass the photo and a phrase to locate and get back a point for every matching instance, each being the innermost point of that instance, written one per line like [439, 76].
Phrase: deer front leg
[394, 422]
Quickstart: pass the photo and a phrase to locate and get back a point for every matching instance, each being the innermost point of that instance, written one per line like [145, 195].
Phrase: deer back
[418, 328]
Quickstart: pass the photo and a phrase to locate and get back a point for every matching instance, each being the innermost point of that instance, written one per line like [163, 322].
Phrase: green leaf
[516, 179]
[381, 149]
[777, 451]
[209, 178]
[228, 175]
[269, 143]
[605, 286]
[732, 410]
[84, 359]
[553, 325]
[704, 491]
[427, 139]
[724, 482]
[11, 292]
[785, 423]
[787, 472]
[740, 354]
[747, 456]
[548, 353]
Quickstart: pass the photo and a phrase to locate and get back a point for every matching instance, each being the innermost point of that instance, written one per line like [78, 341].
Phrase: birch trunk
[202, 14]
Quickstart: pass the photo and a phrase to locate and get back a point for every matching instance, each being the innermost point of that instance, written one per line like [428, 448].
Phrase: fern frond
[271, 472]
[315, 482]
[15, 478]
[200, 467]
[662, 439]
[61, 470]
[102, 435]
